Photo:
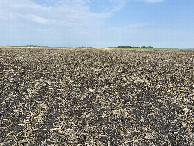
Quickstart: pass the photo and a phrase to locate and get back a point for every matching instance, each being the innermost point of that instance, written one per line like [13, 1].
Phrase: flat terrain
[51, 96]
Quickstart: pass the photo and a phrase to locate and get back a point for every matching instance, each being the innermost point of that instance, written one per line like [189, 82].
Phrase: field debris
[96, 97]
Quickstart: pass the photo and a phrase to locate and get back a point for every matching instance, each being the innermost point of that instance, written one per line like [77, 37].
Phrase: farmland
[96, 96]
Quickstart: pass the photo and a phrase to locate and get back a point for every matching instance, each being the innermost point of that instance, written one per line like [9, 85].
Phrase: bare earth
[52, 96]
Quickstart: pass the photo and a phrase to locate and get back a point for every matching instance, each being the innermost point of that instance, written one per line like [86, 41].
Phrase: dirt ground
[110, 97]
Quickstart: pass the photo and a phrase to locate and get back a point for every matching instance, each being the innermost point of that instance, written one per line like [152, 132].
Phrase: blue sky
[97, 23]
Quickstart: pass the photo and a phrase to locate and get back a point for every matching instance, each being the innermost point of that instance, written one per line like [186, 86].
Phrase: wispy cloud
[66, 19]
[66, 12]
[151, 1]
[34, 18]
[117, 4]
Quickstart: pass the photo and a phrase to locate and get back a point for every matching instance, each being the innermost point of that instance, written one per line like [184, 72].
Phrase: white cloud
[62, 12]
[28, 21]
[34, 18]
[117, 4]
[151, 1]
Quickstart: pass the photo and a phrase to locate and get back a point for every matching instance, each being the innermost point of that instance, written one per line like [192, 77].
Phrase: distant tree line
[83, 47]
[146, 47]
[35, 46]
[127, 47]
[134, 47]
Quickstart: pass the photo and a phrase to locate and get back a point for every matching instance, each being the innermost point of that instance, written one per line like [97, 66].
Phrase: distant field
[96, 96]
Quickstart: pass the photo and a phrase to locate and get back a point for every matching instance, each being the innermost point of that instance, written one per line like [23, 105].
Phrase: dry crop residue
[96, 97]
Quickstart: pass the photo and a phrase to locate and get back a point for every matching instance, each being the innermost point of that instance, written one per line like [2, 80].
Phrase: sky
[97, 23]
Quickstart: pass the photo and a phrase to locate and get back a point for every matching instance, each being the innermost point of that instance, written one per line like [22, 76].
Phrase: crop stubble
[96, 97]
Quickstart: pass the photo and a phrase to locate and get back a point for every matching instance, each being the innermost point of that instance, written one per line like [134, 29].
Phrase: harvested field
[96, 97]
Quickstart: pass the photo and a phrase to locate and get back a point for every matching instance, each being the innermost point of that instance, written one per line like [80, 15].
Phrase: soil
[96, 97]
